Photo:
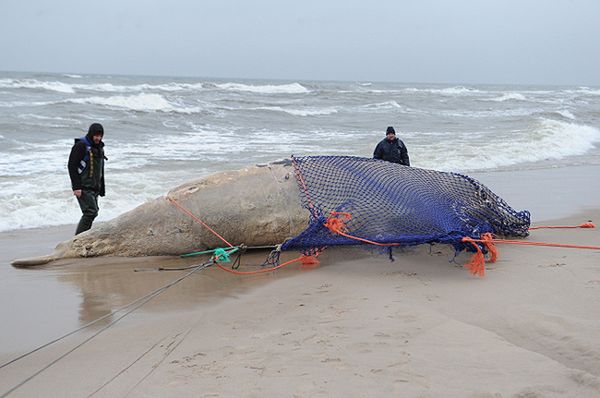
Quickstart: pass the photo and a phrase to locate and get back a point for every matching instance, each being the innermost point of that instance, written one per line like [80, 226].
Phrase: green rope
[196, 253]
[222, 256]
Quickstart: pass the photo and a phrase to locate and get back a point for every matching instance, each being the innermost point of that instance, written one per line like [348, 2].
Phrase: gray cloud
[461, 41]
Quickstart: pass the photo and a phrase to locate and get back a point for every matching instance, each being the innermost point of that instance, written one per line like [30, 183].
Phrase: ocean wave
[36, 84]
[56, 204]
[586, 91]
[298, 112]
[494, 113]
[292, 88]
[548, 140]
[139, 102]
[511, 96]
[109, 87]
[70, 88]
[27, 116]
[566, 114]
[450, 91]
[383, 105]
[17, 104]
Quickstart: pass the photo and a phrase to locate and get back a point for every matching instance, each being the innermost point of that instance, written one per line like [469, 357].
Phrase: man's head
[95, 133]
[390, 133]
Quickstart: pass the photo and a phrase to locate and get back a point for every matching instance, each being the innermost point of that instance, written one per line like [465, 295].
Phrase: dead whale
[292, 202]
[255, 206]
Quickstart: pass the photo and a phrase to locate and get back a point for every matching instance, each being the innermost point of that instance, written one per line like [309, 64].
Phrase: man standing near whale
[86, 170]
[392, 149]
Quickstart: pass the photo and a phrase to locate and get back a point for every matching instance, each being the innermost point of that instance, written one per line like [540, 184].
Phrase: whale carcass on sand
[256, 206]
[304, 204]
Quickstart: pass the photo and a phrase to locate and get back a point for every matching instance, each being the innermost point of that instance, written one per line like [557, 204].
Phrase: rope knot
[337, 222]
[221, 256]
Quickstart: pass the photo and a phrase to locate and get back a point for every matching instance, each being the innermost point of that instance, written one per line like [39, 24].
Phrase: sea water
[162, 131]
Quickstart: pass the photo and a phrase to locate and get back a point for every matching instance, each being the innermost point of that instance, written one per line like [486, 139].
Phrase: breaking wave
[292, 88]
[298, 112]
[139, 102]
[548, 140]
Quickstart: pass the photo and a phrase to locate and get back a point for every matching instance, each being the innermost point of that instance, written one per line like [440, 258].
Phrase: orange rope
[338, 226]
[584, 225]
[527, 243]
[189, 213]
[336, 223]
[477, 263]
[306, 260]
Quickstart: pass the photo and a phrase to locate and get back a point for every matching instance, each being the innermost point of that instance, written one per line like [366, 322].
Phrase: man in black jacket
[86, 170]
[392, 149]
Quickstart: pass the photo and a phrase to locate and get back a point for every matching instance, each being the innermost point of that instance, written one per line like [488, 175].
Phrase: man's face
[390, 136]
[97, 138]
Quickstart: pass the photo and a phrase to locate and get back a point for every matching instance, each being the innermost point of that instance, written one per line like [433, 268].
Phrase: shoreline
[358, 325]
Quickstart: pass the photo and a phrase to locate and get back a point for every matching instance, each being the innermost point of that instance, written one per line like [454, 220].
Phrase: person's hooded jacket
[86, 162]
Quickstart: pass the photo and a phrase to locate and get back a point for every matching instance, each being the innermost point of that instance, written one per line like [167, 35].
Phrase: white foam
[566, 114]
[550, 139]
[70, 88]
[511, 96]
[35, 84]
[72, 76]
[494, 113]
[109, 87]
[450, 91]
[292, 88]
[383, 105]
[28, 206]
[298, 112]
[588, 91]
[42, 117]
[140, 102]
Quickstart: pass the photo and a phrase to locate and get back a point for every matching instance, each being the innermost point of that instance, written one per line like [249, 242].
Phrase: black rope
[273, 258]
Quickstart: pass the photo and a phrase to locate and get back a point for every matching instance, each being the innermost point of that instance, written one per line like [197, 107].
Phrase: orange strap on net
[338, 226]
[584, 225]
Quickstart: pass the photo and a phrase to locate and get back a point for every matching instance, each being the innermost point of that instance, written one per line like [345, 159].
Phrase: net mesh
[391, 203]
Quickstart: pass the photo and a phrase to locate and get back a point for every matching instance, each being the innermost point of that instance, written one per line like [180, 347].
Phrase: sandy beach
[357, 325]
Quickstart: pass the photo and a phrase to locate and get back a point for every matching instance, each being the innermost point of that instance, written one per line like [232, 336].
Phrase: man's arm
[76, 156]
[404, 155]
[378, 153]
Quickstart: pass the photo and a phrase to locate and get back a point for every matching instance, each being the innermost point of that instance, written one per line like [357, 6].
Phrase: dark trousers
[88, 202]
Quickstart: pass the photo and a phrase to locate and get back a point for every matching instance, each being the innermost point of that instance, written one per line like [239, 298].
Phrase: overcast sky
[436, 41]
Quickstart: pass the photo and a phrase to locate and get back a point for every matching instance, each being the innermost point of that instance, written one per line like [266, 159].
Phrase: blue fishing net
[390, 203]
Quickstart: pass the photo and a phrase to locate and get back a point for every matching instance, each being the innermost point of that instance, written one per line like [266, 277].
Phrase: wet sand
[358, 325]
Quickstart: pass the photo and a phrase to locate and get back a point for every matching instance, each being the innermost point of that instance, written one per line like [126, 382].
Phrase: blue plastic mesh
[391, 203]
